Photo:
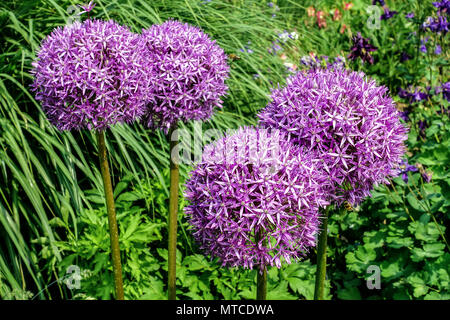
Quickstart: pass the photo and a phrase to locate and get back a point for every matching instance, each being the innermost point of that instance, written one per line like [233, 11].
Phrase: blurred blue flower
[404, 56]
[438, 24]
[442, 6]
[388, 14]
[446, 90]
[438, 49]
[381, 2]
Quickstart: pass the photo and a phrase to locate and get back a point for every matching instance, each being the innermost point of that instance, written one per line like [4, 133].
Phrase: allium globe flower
[189, 71]
[348, 120]
[254, 199]
[90, 75]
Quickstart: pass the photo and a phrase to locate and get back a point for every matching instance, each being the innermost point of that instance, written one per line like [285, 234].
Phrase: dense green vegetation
[52, 211]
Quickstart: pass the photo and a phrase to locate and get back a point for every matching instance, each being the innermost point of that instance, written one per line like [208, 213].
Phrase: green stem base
[112, 221]
[321, 258]
[173, 213]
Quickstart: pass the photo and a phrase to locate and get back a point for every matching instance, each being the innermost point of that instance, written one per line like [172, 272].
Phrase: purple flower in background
[427, 176]
[311, 62]
[404, 56]
[247, 48]
[402, 93]
[275, 48]
[387, 14]
[405, 115]
[422, 124]
[254, 199]
[423, 47]
[189, 71]
[87, 7]
[410, 15]
[438, 50]
[90, 75]
[381, 2]
[442, 6]
[446, 90]
[270, 4]
[438, 24]
[361, 49]
[404, 168]
[413, 95]
[347, 119]
[418, 96]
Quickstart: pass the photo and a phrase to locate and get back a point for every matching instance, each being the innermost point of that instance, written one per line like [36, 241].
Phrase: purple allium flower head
[349, 120]
[254, 199]
[361, 49]
[90, 75]
[190, 71]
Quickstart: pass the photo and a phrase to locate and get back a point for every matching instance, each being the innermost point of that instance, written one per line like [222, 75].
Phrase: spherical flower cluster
[189, 71]
[254, 199]
[348, 120]
[90, 75]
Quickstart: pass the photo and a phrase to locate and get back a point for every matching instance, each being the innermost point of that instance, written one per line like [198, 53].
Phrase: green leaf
[351, 293]
[415, 203]
[155, 290]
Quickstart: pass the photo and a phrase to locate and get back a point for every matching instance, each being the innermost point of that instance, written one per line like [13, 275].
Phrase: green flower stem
[321, 258]
[173, 212]
[261, 285]
[112, 221]
[261, 279]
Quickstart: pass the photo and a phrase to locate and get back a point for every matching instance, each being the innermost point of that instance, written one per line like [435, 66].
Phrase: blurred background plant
[51, 214]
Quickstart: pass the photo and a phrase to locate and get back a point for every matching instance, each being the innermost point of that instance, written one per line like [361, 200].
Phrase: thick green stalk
[173, 212]
[261, 280]
[321, 258]
[261, 285]
[112, 221]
